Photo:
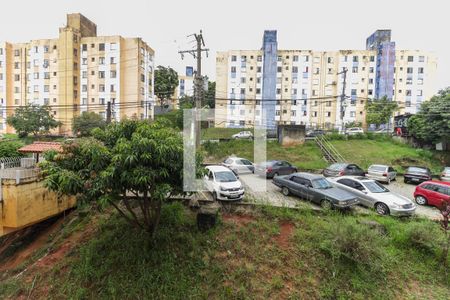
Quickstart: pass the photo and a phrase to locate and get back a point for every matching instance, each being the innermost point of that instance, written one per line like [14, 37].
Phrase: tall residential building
[78, 71]
[304, 87]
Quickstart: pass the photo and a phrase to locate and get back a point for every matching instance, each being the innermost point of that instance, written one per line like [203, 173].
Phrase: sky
[231, 24]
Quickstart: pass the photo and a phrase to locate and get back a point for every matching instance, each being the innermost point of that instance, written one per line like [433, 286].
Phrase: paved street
[255, 192]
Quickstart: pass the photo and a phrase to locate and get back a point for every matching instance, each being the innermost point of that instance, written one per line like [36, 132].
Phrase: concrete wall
[27, 203]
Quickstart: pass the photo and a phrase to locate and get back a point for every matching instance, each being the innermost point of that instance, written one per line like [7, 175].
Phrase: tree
[166, 81]
[379, 111]
[83, 124]
[133, 165]
[432, 123]
[35, 119]
[210, 95]
[9, 148]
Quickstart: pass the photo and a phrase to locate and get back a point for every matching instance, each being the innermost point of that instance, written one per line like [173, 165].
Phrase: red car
[432, 193]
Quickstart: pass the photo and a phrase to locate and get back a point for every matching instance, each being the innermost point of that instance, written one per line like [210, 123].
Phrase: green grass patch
[216, 133]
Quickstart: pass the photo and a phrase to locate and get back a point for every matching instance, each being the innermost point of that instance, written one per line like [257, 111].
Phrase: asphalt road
[261, 190]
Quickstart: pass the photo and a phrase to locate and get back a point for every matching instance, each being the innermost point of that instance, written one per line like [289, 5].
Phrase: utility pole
[108, 112]
[344, 83]
[198, 86]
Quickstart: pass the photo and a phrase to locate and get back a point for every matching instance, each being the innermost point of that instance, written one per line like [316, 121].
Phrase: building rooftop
[39, 147]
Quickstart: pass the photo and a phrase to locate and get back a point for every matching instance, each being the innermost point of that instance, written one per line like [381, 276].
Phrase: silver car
[445, 175]
[239, 165]
[381, 173]
[372, 194]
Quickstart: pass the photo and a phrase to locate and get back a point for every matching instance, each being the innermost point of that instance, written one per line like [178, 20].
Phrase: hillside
[266, 254]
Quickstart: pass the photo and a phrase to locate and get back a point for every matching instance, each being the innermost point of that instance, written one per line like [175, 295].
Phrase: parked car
[315, 188]
[341, 169]
[239, 165]
[383, 131]
[382, 173]
[354, 130]
[243, 135]
[372, 194]
[274, 168]
[445, 175]
[223, 183]
[417, 174]
[432, 193]
[315, 132]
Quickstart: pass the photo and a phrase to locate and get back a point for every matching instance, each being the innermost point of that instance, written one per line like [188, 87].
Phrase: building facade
[76, 72]
[305, 87]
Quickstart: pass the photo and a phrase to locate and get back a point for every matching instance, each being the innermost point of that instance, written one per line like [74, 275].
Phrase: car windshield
[321, 183]
[225, 176]
[377, 168]
[417, 170]
[375, 187]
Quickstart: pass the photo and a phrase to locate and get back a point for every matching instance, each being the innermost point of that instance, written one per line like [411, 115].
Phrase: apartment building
[305, 87]
[78, 71]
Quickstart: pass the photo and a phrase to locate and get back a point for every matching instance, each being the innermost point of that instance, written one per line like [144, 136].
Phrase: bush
[355, 244]
[421, 236]
[9, 149]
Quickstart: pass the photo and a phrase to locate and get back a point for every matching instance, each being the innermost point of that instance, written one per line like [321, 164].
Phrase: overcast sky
[232, 24]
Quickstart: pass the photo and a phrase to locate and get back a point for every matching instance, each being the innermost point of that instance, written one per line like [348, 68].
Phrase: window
[101, 60]
[410, 58]
[101, 88]
[46, 88]
[259, 58]
[233, 58]
[372, 58]
[420, 70]
[101, 74]
[84, 74]
[101, 47]
[17, 52]
[112, 60]
[84, 61]
[93, 59]
[370, 92]
[370, 80]
[419, 93]
[371, 70]
[409, 70]
[54, 86]
[84, 88]
[16, 89]
[305, 58]
[142, 77]
[421, 58]
[112, 88]
[36, 88]
[355, 58]
[420, 81]
[258, 91]
[293, 113]
[242, 79]
[258, 69]
[328, 114]
[36, 75]
[314, 113]
[113, 46]
[295, 58]
[16, 77]
[355, 70]
[279, 69]
[84, 47]
[277, 112]
[278, 91]
[330, 60]
[113, 74]
[408, 92]
[233, 69]
[46, 75]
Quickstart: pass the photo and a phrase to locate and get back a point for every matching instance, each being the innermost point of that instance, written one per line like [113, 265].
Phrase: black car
[417, 174]
[274, 168]
[314, 133]
[341, 169]
[315, 188]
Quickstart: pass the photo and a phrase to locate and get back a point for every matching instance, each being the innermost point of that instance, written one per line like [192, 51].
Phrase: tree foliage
[9, 148]
[132, 165]
[35, 119]
[166, 81]
[379, 111]
[432, 122]
[210, 95]
[82, 125]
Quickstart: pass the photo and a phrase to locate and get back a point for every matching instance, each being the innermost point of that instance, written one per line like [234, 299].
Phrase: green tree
[35, 119]
[379, 111]
[432, 123]
[83, 124]
[9, 148]
[166, 81]
[133, 165]
[210, 95]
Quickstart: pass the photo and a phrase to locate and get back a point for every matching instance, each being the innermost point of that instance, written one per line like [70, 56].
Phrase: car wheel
[275, 175]
[214, 196]
[285, 191]
[405, 180]
[421, 200]
[326, 204]
[382, 209]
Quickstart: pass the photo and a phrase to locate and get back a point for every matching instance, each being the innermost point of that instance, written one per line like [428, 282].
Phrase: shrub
[356, 244]
[9, 148]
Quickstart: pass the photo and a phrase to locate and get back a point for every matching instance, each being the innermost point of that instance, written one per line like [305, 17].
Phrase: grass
[245, 260]
[305, 157]
[216, 133]
[363, 152]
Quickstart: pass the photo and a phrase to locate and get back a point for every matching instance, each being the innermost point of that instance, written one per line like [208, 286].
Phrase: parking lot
[261, 190]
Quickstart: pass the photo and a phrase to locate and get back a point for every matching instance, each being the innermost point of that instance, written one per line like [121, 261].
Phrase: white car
[243, 135]
[223, 184]
[381, 173]
[372, 194]
[354, 130]
[239, 165]
[445, 175]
